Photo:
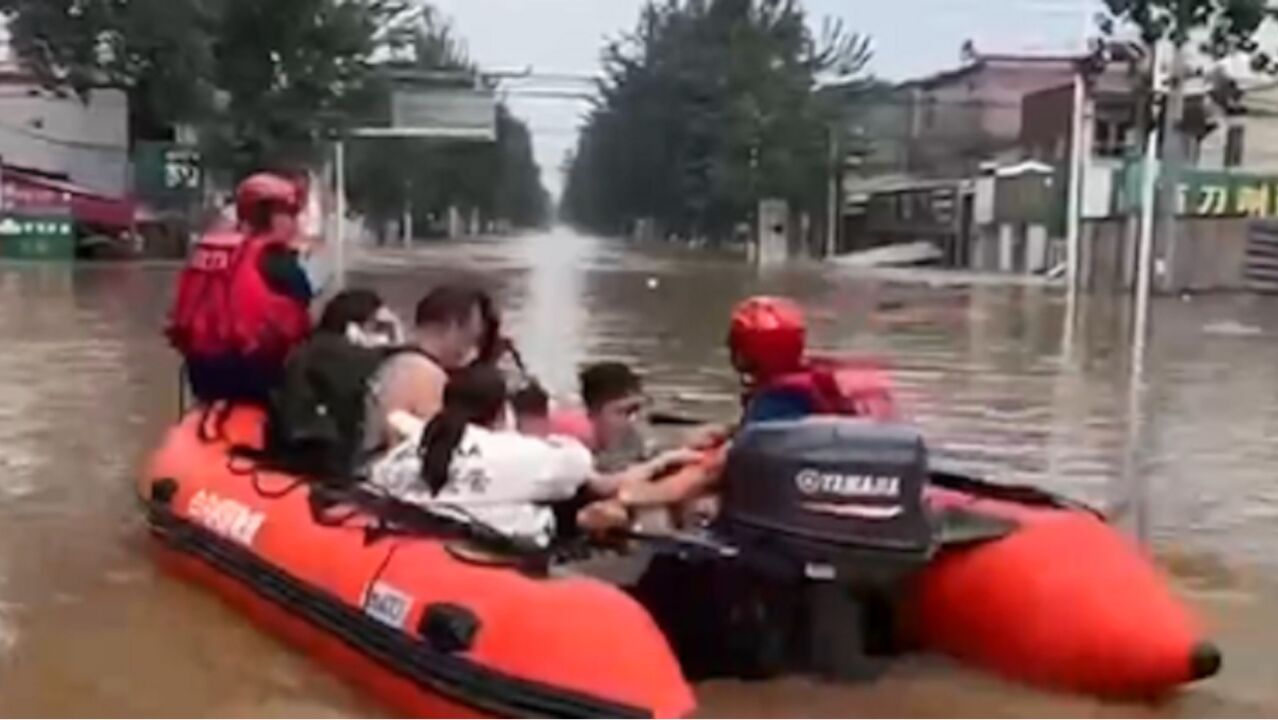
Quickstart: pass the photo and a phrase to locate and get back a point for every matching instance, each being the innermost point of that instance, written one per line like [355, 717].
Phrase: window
[1109, 138]
[1234, 146]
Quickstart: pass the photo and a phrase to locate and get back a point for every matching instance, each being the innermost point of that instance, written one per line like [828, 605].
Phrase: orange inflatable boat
[1063, 601]
[1007, 579]
[1014, 579]
[420, 628]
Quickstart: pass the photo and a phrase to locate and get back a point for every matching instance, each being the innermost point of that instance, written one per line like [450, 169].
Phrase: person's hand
[706, 437]
[602, 517]
[699, 511]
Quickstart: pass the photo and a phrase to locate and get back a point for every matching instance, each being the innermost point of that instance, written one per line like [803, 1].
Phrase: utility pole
[1078, 161]
[339, 200]
[833, 206]
[1173, 145]
[407, 226]
[1149, 183]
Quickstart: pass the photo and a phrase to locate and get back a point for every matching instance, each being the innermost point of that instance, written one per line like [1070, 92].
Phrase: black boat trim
[1027, 495]
[454, 678]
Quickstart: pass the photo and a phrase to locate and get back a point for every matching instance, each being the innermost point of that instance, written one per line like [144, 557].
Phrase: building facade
[85, 141]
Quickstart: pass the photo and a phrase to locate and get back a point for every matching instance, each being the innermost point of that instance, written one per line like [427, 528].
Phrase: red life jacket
[225, 307]
[842, 386]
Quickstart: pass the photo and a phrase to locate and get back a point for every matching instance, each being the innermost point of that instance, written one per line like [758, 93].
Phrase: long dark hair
[474, 396]
[492, 344]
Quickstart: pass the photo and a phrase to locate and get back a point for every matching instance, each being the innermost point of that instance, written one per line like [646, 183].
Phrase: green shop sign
[1207, 193]
[37, 238]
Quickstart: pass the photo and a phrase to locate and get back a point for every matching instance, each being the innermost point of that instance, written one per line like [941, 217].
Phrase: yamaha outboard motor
[831, 510]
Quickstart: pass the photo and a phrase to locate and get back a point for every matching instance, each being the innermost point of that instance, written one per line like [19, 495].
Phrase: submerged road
[89, 627]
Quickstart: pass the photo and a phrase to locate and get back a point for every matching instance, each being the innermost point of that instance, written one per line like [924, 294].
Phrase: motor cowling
[832, 492]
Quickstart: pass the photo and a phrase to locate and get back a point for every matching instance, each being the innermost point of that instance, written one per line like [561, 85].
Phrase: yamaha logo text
[815, 482]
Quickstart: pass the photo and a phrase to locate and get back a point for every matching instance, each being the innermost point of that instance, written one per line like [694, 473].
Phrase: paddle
[680, 542]
[670, 419]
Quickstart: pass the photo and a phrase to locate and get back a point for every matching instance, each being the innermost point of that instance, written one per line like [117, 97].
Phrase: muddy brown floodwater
[89, 627]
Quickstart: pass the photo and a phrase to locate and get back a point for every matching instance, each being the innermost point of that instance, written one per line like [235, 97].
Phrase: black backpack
[315, 419]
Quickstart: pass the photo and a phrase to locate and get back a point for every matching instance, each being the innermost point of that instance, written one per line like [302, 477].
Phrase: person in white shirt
[464, 464]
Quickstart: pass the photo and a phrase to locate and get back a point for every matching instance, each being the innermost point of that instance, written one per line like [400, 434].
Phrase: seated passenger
[531, 406]
[315, 418]
[613, 397]
[463, 464]
[449, 329]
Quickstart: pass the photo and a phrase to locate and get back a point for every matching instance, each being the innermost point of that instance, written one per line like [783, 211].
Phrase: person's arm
[643, 473]
[283, 273]
[425, 385]
[692, 480]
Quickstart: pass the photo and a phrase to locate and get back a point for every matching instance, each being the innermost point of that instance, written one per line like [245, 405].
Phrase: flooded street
[87, 384]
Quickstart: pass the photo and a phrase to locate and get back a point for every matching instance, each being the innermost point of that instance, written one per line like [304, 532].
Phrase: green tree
[1227, 26]
[293, 72]
[501, 180]
[707, 107]
[263, 80]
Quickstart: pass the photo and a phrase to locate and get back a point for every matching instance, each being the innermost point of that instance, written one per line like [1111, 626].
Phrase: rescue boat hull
[419, 629]
[1064, 601]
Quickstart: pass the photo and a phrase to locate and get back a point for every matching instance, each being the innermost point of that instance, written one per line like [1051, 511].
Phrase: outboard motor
[831, 510]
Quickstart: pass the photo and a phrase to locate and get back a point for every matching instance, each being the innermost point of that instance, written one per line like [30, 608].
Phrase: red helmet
[267, 188]
[767, 337]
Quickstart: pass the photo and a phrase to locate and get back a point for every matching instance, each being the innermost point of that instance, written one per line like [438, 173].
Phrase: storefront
[46, 218]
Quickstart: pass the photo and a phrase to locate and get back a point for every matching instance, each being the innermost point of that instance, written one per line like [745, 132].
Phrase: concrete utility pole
[1173, 146]
[833, 211]
[339, 231]
[1149, 183]
[1079, 154]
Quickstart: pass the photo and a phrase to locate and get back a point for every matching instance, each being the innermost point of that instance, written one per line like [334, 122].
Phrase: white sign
[445, 112]
[388, 605]
[182, 169]
[12, 227]
[225, 517]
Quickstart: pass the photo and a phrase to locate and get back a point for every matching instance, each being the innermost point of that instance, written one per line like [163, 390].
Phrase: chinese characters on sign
[1219, 200]
[1213, 194]
[44, 227]
[181, 170]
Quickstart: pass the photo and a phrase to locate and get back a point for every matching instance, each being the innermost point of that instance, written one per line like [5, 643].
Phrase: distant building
[947, 124]
[57, 133]
[1247, 136]
[926, 140]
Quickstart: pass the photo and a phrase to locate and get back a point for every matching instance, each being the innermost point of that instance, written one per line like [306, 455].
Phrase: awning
[30, 193]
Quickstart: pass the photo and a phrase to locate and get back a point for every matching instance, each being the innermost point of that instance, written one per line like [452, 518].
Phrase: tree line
[270, 84]
[705, 108]
[709, 106]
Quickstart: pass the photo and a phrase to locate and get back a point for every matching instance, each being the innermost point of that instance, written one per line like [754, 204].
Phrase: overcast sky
[911, 37]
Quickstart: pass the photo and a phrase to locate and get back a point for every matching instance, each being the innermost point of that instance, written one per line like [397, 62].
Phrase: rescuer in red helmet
[243, 298]
[767, 341]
